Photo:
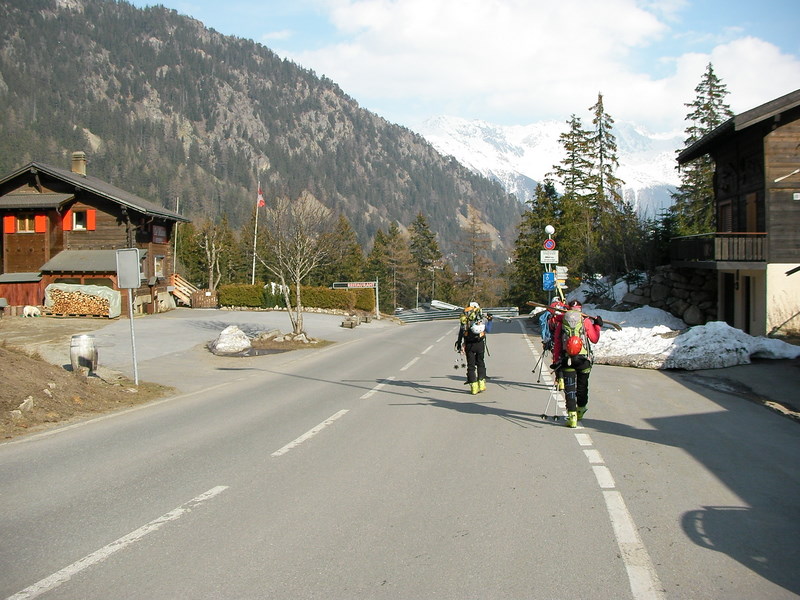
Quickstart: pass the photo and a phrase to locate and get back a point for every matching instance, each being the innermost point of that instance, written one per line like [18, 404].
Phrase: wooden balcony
[720, 250]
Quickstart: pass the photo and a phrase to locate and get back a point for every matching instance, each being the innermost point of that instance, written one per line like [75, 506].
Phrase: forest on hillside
[184, 116]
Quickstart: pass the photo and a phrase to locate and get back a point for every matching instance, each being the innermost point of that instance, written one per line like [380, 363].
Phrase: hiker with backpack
[572, 357]
[472, 343]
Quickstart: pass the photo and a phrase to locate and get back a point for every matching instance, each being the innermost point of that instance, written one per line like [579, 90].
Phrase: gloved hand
[548, 345]
[555, 366]
[458, 346]
[598, 321]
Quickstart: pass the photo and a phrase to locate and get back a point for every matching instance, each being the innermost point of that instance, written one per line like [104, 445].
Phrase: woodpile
[78, 303]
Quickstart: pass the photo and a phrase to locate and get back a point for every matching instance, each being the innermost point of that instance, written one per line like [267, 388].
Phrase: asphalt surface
[169, 345]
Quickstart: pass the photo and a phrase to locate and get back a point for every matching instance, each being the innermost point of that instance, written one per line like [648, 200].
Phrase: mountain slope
[169, 109]
[519, 156]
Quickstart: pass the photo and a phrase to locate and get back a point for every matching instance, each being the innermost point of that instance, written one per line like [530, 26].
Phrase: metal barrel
[83, 354]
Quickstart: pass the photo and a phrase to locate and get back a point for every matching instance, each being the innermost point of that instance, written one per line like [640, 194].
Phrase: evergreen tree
[346, 260]
[477, 282]
[693, 208]
[426, 254]
[574, 173]
[524, 274]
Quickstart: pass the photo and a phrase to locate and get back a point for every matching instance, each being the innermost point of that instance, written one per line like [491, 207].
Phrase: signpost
[129, 277]
[337, 285]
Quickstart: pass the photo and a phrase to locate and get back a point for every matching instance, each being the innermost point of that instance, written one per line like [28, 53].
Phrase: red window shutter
[9, 223]
[66, 221]
[39, 223]
[91, 219]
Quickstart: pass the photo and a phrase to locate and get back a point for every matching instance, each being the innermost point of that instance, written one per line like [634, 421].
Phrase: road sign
[549, 244]
[548, 257]
[548, 281]
[561, 271]
[354, 284]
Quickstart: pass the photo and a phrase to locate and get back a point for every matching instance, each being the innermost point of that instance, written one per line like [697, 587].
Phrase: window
[159, 266]
[79, 220]
[26, 223]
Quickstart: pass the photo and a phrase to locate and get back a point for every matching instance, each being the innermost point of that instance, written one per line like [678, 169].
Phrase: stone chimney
[79, 163]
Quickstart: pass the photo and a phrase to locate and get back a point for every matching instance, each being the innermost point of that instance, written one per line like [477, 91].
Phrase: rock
[693, 316]
[231, 340]
[27, 404]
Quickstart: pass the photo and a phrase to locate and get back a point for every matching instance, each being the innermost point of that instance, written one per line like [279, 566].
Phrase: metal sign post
[129, 277]
[337, 285]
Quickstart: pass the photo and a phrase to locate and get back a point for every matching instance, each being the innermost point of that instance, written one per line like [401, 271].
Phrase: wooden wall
[782, 156]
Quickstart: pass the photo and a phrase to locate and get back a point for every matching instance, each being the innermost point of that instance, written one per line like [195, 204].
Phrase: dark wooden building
[64, 226]
[756, 248]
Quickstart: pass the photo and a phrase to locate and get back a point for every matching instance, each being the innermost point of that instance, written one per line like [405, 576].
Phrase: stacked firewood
[77, 303]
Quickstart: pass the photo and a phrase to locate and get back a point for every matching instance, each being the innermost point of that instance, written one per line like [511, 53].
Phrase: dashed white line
[377, 388]
[427, 349]
[411, 362]
[65, 574]
[309, 434]
[642, 576]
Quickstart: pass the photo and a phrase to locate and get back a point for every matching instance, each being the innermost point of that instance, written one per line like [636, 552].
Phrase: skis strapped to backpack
[616, 326]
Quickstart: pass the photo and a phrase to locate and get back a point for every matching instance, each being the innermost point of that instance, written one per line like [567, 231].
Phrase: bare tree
[216, 241]
[295, 243]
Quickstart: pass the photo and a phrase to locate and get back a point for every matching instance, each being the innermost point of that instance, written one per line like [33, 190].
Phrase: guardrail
[412, 316]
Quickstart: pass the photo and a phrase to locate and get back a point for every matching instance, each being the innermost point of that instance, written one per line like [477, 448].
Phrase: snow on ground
[654, 339]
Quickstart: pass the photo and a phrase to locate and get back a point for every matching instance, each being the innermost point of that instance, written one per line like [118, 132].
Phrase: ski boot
[473, 388]
[572, 419]
[582, 411]
[481, 385]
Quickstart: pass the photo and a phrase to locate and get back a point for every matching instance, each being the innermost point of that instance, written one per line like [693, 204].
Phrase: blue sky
[514, 62]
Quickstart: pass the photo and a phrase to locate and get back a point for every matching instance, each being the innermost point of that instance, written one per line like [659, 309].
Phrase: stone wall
[689, 294]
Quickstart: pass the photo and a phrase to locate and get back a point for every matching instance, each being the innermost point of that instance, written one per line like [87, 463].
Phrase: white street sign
[548, 257]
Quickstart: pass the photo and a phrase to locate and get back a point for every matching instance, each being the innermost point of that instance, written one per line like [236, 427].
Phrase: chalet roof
[34, 200]
[20, 277]
[740, 122]
[84, 261]
[100, 188]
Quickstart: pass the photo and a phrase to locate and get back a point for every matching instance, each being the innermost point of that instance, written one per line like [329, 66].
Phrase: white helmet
[474, 305]
[477, 327]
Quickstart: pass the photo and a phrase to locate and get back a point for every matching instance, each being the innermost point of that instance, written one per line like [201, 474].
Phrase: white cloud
[518, 61]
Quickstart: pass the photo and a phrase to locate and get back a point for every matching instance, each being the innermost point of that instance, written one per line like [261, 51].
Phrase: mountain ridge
[519, 156]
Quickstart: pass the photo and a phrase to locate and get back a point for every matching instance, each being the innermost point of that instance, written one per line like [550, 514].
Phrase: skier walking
[472, 342]
[572, 357]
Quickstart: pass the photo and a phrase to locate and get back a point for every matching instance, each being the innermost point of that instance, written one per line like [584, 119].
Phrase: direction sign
[354, 284]
[548, 257]
[561, 271]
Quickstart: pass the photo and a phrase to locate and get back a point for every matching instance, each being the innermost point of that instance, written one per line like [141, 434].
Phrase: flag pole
[259, 202]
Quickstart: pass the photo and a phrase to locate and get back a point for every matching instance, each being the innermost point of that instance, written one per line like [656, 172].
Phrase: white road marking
[642, 576]
[594, 456]
[427, 349]
[604, 478]
[65, 574]
[377, 388]
[309, 434]
[411, 362]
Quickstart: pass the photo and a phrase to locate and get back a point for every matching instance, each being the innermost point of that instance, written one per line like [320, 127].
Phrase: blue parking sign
[548, 281]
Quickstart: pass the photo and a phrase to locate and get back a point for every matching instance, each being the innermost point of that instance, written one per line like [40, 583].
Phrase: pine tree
[426, 253]
[575, 176]
[346, 260]
[524, 274]
[693, 207]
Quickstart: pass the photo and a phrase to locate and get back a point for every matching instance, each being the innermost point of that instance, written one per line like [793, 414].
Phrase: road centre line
[642, 576]
[427, 349]
[377, 388]
[65, 574]
[309, 434]
[411, 362]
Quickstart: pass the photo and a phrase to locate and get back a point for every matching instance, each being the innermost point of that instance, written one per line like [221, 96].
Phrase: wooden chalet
[64, 226]
[756, 248]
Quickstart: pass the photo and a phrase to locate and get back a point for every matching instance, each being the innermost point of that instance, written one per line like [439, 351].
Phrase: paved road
[364, 470]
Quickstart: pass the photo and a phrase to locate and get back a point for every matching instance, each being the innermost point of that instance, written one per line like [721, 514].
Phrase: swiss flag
[260, 202]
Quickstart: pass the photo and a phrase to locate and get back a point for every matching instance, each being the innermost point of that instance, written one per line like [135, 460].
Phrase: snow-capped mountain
[518, 156]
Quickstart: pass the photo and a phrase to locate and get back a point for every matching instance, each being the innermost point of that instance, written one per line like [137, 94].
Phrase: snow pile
[654, 339]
